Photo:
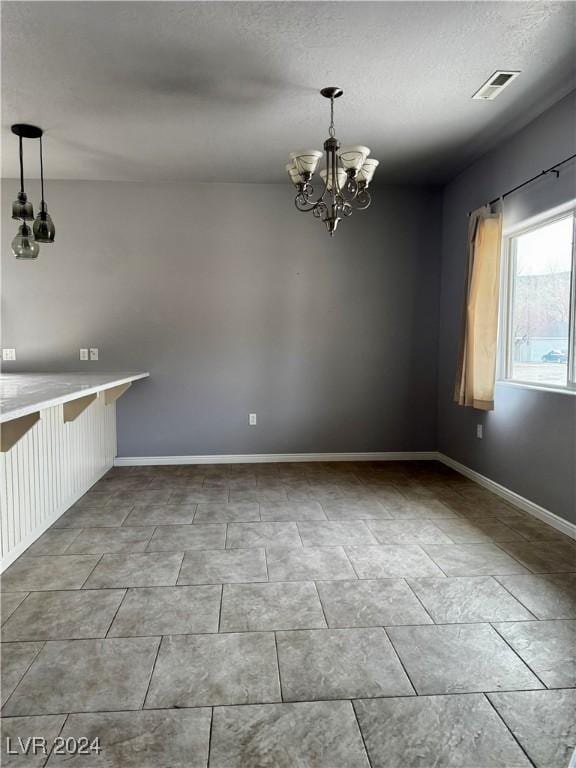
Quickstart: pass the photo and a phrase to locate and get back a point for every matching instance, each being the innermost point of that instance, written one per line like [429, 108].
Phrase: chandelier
[344, 181]
[25, 244]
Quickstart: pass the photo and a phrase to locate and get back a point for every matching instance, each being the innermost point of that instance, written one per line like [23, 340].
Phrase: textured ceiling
[218, 91]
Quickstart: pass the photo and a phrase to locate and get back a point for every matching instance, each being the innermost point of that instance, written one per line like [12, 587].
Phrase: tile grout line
[361, 733]
[510, 731]
[49, 755]
[524, 662]
[107, 633]
[497, 580]
[143, 705]
[42, 646]
[400, 658]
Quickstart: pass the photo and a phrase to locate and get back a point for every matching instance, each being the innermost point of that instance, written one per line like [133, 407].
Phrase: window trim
[504, 360]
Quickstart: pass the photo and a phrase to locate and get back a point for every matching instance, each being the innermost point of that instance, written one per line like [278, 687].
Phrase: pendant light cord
[21, 168]
[41, 172]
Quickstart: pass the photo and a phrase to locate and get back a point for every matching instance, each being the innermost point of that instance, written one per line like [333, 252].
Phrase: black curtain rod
[552, 169]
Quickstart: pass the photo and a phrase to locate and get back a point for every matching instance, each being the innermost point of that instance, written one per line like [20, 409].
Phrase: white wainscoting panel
[48, 469]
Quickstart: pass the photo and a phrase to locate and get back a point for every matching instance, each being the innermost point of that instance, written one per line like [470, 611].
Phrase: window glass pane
[542, 265]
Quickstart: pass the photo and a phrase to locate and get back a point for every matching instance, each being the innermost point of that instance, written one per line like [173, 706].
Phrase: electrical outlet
[252, 419]
[93, 353]
[479, 431]
[84, 354]
[8, 354]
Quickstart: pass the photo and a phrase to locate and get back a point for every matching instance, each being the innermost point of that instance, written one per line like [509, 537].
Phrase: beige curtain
[477, 360]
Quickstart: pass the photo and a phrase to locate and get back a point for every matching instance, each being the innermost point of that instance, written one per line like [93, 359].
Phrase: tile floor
[293, 616]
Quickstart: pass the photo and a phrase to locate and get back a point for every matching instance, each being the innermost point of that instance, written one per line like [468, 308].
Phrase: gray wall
[237, 303]
[529, 439]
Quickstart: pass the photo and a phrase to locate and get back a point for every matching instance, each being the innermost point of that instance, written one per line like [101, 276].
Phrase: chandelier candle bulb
[344, 181]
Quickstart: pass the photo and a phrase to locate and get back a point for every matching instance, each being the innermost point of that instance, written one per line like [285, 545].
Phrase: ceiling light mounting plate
[332, 92]
[27, 131]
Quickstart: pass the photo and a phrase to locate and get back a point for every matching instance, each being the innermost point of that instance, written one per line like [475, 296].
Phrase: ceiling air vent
[495, 85]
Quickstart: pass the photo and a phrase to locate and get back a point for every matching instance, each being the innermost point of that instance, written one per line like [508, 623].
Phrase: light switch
[93, 353]
[252, 419]
[8, 354]
[84, 354]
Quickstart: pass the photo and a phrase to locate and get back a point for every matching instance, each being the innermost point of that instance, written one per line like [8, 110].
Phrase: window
[539, 317]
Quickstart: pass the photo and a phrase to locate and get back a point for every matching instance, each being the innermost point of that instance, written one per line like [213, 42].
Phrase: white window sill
[537, 387]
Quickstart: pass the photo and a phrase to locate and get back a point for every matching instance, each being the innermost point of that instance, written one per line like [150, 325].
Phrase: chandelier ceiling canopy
[344, 181]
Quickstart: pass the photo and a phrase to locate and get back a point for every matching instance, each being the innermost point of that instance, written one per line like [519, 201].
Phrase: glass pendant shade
[43, 227]
[295, 177]
[22, 208]
[24, 246]
[367, 171]
[306, 160]
[341, 177]
[353, 157]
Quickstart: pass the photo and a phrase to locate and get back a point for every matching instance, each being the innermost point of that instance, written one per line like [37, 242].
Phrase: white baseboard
[564, 526]
[264, 458]
[28, 540]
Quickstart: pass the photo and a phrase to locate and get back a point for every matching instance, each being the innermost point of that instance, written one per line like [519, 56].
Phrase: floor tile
[319, 734]
[543, 722]
[543, 556]
[135, 496]
[345, 509]
[339, 664]
[63, 615]
[53, 542]
[367, 603]
[9, 601]
[392, 561]
[407, 532]
[460, 731]
[261, 607]
[46, 727]
[16, 658]
[460, 658]
[176, 538]
[86, 676]
[420, 510]
[308, 563]
[251, 535]
[208, 670]
[169, 514]
[258, 495]
[101, 540]
[48, 573]
[548, 647]
[149, 569]
[473, 559]
[550, 596]
[348, 533]
[468, 599]
[223, 566]
[291, 510]
[147, 739]
[168, 610]
[472, 531]
[95, 517]
[535, 530]
[227, 513]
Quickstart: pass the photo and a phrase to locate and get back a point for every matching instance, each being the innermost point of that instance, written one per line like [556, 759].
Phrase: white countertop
[24, 393]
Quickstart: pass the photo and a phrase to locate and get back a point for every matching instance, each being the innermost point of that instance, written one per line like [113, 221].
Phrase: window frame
[507, 284]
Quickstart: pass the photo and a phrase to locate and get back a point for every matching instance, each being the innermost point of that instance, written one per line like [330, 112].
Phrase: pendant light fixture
[44, 229]
[25, 244]
[345, 179]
